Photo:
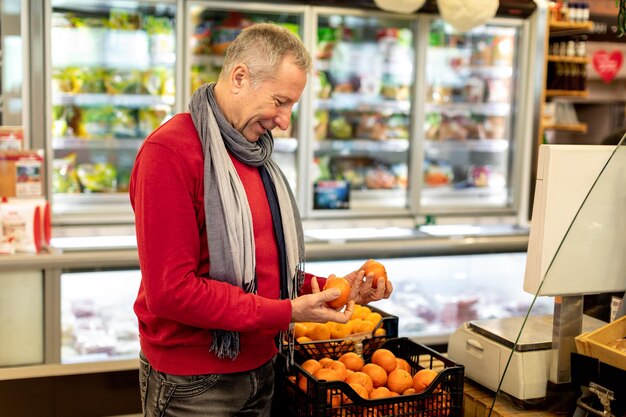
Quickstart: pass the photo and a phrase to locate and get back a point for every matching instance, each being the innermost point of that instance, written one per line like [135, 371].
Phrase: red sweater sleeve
[306, 286]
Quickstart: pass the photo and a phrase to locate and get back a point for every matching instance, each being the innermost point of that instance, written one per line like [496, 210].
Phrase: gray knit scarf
[228, 219]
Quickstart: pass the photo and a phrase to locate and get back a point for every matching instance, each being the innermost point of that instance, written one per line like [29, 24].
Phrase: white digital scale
[484, 348]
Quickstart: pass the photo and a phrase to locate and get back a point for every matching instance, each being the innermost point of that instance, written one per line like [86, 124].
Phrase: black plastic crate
[353, 343]
[443, 398]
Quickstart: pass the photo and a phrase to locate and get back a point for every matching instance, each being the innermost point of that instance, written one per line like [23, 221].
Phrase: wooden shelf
[569, 28]
[567, 93]
[570, 59]
[578, 127]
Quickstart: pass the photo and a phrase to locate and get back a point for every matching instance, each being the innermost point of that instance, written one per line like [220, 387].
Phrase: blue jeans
[211, 395]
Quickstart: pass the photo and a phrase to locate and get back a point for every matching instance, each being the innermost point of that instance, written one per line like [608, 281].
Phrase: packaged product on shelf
[21, 173]
[326, 41]
[201, 39]
[222, 35]
[453, 127]
[97, 121]
[380, 177]
[321, 124]
[124, 19]
[499, 90]
[93, 80]
[97, 177]
[503, 50]
[125, 82]
[11, 138]
[340, 127]
[160, 34]
[150, 119]
[124, 123]
[21, 226]
[371, 126]
[154, 81]
[495, 127]
[397, 127]
[45, 220]
[61, 82]
[322, 86]
[67, 80]
[64, 177]
[437, 174]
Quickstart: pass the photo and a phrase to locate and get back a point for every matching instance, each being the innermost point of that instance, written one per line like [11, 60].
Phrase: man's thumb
[331, 294]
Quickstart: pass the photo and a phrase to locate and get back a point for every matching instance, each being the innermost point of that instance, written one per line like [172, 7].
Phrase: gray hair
[263, 47]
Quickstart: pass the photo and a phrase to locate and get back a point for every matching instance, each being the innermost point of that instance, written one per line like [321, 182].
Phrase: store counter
[478, 402]
[44, 296]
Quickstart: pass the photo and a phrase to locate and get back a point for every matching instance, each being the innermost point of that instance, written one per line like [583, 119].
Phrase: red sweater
[177, 304]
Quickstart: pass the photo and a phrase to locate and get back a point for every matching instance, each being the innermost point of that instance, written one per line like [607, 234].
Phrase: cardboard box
[595, 343]
[21, 174]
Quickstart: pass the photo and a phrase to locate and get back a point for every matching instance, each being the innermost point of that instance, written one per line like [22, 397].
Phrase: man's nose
[283, 118]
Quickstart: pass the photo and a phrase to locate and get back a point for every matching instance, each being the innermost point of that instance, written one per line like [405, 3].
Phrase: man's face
[270, 103]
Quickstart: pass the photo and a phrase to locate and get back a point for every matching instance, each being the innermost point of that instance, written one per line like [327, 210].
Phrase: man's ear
[240, 77]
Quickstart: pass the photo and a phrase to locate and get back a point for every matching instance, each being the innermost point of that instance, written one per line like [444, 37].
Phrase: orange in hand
[343, 286]
[377, 269]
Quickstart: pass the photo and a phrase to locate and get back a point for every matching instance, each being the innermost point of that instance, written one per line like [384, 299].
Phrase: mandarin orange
[319, 331]
[300, 330]
[385, 358]
[399, 381]
[360, 311]
[422, 379]
[338, 367]
[327, 374]
[377, 269]
[376, 373]
[343, 286]
[352, 361]
[361, 378]
[403, 364]
[380, 392]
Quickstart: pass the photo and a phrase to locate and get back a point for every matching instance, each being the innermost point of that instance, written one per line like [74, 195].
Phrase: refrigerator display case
[360, 120]
[112, 70]
[401, 118]
[434, 295]
[99, 325]
[473, 114]
[211, 26]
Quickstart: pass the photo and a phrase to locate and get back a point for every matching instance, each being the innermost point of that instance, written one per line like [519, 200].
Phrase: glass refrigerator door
[361, 126]
[212, 26]
[11, 76]
[112, 67]
[472, 84]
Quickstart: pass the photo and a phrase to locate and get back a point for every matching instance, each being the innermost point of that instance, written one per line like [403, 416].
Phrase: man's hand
[313, 307]
[362, 291]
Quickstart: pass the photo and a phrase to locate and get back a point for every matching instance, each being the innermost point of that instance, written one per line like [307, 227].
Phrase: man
[220, 240]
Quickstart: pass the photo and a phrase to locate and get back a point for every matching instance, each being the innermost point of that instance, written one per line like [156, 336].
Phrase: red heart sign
[607, 64]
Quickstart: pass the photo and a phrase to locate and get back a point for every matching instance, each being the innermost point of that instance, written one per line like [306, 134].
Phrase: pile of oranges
[363, 321]
[384, 376]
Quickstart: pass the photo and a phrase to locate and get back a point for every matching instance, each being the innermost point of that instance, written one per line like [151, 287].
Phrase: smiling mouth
[263, 127]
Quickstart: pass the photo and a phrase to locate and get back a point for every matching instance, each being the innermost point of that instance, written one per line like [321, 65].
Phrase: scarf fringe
[225, 344]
